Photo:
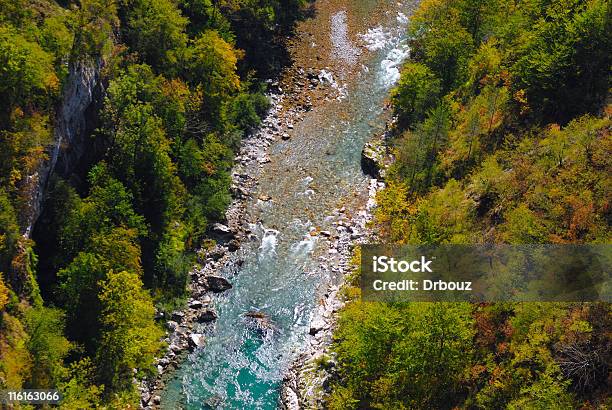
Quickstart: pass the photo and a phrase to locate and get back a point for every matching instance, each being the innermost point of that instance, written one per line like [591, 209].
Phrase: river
[314, 181]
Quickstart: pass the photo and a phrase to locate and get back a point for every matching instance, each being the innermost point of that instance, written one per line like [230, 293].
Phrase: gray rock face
[217, 283]
[71, 129]
[72, 122]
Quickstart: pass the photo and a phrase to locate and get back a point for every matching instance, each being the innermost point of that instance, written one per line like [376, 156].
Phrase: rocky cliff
[75, 119]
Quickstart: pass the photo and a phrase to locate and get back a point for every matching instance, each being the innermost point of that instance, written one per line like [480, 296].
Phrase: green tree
[570, 75]
[140, 157]
[79, 281]
[129, 336]
[415, 94]
[403, 356]
[247, 109]
[108, 206]
[95, 21]
[439, 41]
[212, 62]
[156, 30]
[47, 346]
[9, 232]
[78, 390]
[27, 71]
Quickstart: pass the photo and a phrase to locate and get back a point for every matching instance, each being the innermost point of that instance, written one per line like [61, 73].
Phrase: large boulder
[207, 315]
[317, 324]
[216, 253]
[195, 304]
[178, 316]
[222, 233]
[373, 157]
[260, 322]
[217, 283]
[197, 340]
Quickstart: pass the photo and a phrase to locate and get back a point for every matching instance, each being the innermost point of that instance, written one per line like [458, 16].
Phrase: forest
[182, 84]
[502, 136]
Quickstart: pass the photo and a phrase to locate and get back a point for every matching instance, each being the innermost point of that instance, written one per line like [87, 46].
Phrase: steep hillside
[502, 136]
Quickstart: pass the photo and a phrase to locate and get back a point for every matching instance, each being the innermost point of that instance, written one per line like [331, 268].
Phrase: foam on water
[268, 243]
[391, 65]
[307, 180]
[328, 76]
[305, 246]
[376, 38]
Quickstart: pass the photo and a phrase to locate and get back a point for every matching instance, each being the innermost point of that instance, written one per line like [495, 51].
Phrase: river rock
[178, 316]
[372, 158]
[316, 325]
[264, 197]
[216, 253]
[195, 304]
[175, 348]
[197, 340]
[260, 322]
[207, 315]
[146, 396]
[289, 399]
[233, 245]
[217, 283]
[223, 231]
[220, 228]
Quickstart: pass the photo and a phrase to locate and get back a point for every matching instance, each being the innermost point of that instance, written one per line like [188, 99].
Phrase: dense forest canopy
[179, 84]
[502, 136]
